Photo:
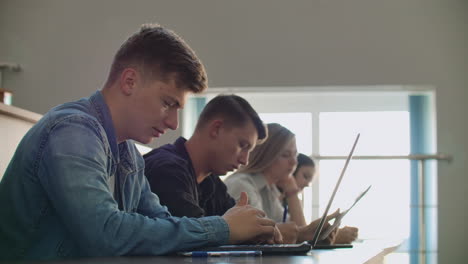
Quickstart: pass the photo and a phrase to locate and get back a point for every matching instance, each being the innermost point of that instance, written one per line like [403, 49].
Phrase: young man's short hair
[159, 53]
[235, 111]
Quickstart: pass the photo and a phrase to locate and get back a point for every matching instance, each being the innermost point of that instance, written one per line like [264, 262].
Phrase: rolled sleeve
[216, 229]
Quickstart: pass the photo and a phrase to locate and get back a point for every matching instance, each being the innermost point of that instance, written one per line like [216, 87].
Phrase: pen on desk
[285, 212]
[222, 253]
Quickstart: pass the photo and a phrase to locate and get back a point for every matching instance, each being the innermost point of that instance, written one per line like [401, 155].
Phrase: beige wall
[66, 46]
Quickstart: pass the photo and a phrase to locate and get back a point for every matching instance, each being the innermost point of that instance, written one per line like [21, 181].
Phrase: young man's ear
[215, 128]
[128, 81]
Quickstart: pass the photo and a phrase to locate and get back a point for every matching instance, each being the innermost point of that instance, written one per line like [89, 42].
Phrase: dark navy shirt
[172, 177]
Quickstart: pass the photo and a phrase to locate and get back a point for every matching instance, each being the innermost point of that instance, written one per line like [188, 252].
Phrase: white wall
[12, 130]
[14, 123]
[66, 46]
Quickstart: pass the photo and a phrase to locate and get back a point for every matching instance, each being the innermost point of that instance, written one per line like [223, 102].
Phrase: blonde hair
[265, 154]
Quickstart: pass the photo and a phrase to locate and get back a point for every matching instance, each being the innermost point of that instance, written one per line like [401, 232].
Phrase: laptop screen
[314, 240]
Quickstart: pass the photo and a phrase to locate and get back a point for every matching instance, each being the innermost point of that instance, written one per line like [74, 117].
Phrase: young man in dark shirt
[185, 174]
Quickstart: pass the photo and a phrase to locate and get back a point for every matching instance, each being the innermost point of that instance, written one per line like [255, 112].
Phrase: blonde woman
[271, 165]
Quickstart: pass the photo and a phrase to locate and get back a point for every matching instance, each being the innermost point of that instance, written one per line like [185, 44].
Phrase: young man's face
[232, 147]
[154, 108]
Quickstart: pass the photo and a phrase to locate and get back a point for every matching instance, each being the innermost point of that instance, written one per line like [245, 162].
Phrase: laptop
[295, 249]
[337, 221]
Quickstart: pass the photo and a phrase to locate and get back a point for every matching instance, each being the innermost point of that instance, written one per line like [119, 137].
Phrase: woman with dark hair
[305, 171]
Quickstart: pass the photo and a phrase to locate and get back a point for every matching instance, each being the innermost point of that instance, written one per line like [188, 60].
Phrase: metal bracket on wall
[10, 66]
[4, 66]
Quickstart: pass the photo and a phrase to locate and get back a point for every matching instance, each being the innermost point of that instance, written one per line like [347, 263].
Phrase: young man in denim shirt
[76, 186]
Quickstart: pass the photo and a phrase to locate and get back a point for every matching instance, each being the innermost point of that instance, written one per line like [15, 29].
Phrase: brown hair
[265, 154]
[158, 53]
[235, 110]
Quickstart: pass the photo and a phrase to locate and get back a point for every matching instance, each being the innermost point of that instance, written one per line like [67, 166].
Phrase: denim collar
[105, 118]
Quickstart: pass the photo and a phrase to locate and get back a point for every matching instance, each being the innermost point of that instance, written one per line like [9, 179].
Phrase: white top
[261, 195]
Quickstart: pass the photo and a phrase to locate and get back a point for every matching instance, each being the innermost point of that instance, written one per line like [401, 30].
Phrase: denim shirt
[56, 202]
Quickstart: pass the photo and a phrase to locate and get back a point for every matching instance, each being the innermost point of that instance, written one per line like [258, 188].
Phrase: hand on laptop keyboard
[290, 232]
[249, 224]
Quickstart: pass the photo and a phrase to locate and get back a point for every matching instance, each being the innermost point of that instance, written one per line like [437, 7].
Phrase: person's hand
[290, 232]
[331, 238]
[307, 232]
[346, 235]
[248, 223]
[288, 185]
[278, 237]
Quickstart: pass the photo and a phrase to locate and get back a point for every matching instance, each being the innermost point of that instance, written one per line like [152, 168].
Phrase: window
[298, 123]
[326, 123]
[387, 203]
